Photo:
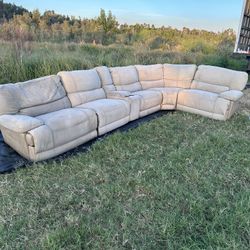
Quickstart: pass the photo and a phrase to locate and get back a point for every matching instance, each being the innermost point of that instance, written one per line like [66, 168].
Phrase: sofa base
[232, 107]
[113, 125]
[201, 112]
[169, 97]
[61, 149]
[150, 111]
[168, 107]
[16, 141]
[135, 102]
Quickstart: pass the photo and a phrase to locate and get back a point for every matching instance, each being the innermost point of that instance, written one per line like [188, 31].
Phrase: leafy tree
[36, 18]
[7, 10]
[17, 23]
[1, 10]
[107, 22]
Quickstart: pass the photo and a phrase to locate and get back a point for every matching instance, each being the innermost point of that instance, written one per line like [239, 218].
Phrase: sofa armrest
[19, 123]
[232, 95]
[118, 94]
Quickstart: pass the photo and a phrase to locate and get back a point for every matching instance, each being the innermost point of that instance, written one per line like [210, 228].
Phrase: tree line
[18, 23]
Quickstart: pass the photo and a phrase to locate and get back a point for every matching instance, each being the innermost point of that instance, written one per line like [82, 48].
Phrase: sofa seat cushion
[169, 95]
[62, 127]
[108, 110]
[149, 99]
[203, 100]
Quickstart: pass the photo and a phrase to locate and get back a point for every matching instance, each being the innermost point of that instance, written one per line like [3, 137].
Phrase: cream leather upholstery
[35, 97]
[118, 94]
[215, 92]
[106, 78]
[133, 100]
[109, 112]
[112, 93]
[169, 97]
[150, 100]
[204, 101]
[45, 117]
[150, 76]
[20, 123]
[126, 82]
[223, 77]
[85, 91]
[232, 95]
[82, 86]
[67, 125]
[167, 79]
[126, 78]
[40, 122]
[179, 75]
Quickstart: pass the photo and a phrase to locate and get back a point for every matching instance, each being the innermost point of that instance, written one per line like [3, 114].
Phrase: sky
[213, 15]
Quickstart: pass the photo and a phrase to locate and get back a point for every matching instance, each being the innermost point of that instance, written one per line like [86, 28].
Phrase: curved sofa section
[45, 117]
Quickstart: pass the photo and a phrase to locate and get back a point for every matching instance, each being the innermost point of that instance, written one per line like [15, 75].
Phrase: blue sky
[216, 15]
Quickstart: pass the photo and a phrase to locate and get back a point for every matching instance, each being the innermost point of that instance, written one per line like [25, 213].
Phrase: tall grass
[32, 60]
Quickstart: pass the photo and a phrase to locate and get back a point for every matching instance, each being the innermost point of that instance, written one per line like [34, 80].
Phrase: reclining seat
[37, 119]
[215, 92]
[176, 78]
[151, 78]
[125, 82]
[167, 79]
[84, 90]
[112, 93]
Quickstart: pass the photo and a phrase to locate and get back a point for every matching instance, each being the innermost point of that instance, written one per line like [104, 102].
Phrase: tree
[1, 10]
[8, 10]
[36, 18]
[107, 22]
[108, 25]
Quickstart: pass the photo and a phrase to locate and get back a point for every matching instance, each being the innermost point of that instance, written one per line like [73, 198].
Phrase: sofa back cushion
[178, 75]
[106, 78]
[216, 79]
[34, 97]
[126, 78]
[82, 86]
[8, 103]
[150, 76]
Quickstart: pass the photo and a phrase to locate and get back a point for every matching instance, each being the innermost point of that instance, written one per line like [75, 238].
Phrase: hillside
[8, 10]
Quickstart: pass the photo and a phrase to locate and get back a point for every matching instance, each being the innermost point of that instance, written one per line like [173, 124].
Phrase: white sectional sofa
[45, 117]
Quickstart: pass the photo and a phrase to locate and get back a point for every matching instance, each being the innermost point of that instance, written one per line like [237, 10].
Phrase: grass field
[177, 182]
[180, 181]
[20, 62]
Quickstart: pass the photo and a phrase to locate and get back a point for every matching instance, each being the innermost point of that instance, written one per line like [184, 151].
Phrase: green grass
[178, 182]
[31, 60]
